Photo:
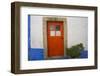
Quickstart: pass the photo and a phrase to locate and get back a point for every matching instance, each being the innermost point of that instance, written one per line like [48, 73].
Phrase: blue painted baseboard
[35, 54]
[84, 54]
[38, 54]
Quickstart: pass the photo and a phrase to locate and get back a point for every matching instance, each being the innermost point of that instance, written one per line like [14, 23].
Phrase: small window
[52, 33]
[57, 27]
[58, 33]
[52, 28]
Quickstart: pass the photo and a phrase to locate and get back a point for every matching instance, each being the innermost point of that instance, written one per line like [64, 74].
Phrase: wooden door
[55, 38]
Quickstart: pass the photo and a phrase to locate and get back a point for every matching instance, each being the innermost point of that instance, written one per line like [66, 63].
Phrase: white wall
[77, 29]
[36, 33]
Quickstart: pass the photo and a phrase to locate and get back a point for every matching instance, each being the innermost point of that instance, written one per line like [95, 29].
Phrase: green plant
[74, 51]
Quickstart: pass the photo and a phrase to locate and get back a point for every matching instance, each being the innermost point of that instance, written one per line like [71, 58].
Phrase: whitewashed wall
[77, 31]
[36, 34]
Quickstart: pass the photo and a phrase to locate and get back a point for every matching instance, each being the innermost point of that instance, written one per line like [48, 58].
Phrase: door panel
[55, 38]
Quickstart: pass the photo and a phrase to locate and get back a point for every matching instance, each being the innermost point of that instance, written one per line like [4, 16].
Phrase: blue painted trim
[84, 54]
[29, 40]
[36, 54]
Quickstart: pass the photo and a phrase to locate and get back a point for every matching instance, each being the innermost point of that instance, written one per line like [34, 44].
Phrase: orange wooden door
[55, 38]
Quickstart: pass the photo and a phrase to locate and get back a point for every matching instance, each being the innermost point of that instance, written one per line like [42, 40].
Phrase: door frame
[45, 43]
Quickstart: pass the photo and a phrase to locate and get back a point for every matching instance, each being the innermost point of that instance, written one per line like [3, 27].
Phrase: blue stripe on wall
[36, 54]
[29, 40]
